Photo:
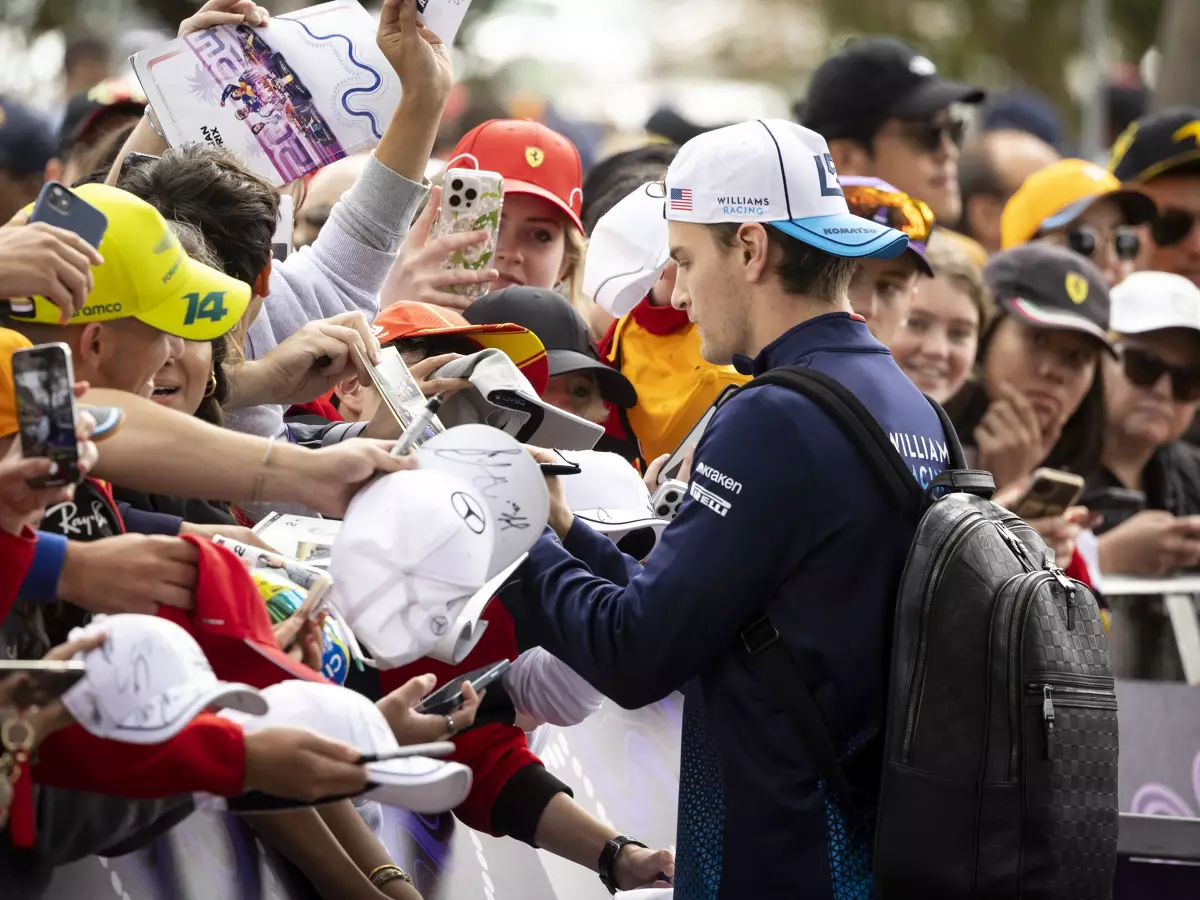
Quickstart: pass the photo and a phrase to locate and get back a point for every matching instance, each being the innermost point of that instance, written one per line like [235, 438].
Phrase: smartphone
[670, 471]
[1114, 504]
[45, 380]
[1050, 493]
[57, 206]
[133, 160]
[281, 243]
[449, 696]
[472, 200]
[43, 681]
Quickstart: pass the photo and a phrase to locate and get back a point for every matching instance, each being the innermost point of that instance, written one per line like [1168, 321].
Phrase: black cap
[86, 108]
[26, 139]
[562, 331]
[1156, 144]
[874, 79]
[1048, 286]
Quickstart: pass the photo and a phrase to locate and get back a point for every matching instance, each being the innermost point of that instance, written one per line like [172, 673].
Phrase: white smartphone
[45, 399]
[472, 200]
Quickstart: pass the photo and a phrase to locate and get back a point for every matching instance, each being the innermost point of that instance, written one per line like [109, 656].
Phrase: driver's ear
[262, 284]
[755, 249]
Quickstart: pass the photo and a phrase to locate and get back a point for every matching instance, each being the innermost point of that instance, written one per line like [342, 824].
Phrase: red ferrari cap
[532, 158]
[231, 623]
[409, 319]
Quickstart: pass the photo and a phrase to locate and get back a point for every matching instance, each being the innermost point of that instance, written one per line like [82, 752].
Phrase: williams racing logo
[708, 498]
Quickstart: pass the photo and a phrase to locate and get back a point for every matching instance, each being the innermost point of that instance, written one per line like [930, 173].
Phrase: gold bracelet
[381, 875]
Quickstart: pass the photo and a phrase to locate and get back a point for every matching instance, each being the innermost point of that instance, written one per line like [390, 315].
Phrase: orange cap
[532, 158]
[411, 319]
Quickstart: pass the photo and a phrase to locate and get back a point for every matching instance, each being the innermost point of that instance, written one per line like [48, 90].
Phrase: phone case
[480, 213]
[44, 381]
[76, 214]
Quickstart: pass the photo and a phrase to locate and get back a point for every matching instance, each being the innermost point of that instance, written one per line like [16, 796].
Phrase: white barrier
[1180, 596]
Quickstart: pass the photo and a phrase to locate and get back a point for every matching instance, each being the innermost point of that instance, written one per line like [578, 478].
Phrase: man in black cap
[886, 113]
[90, 117]
[1160, 153]
[26, 145]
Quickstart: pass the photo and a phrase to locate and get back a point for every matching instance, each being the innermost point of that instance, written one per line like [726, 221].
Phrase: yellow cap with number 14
[147, 276]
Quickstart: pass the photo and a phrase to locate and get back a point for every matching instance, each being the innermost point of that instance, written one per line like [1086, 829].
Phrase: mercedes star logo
[469, 511]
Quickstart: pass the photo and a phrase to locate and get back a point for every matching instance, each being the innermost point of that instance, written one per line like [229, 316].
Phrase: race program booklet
[307, 90]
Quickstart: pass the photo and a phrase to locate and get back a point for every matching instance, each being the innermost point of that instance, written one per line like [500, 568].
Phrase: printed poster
[305, 91]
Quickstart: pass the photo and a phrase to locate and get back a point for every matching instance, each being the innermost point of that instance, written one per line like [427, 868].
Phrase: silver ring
[449, 724]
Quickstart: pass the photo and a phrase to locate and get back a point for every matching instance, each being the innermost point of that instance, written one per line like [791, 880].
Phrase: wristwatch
[608, 859]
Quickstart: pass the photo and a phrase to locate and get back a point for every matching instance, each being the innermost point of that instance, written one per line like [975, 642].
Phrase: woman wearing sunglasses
[882, 289]
[1151, 391]
[1081, 206]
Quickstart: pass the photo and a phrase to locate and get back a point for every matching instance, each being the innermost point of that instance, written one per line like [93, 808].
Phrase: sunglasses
[1086, 241]
[1144, 369]
[927, 134]
[1171, 226]
[891, 208]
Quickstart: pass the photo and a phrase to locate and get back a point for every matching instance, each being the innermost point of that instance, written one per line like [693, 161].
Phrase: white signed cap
[416, 783]
[609, 495]
[627, 251]
[501, 396]
[147, 681]
[414, 547]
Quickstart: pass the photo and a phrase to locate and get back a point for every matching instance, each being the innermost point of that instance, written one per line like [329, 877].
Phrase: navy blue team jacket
[783, 516]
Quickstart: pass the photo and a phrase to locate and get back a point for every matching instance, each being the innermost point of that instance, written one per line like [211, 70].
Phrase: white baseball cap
[508, 480]
[627, 251]
[147, 681]
[501, 396]
[1152, 301]
[778, 173]
[417, 783]
[414, 547]
[610, 496]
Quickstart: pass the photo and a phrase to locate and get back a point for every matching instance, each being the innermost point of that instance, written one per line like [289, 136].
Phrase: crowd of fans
[1052, 305]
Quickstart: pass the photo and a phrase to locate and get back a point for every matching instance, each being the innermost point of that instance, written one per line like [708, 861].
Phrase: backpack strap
[759, 637]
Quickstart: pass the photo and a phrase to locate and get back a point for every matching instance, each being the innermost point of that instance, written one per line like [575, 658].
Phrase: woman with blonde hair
[541, 241]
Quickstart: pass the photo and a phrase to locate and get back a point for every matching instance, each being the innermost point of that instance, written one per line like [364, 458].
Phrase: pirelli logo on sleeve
[713, 501]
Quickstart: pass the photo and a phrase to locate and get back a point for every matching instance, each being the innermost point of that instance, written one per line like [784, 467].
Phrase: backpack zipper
[1016, 623]
[957, 535]
[1075, 697]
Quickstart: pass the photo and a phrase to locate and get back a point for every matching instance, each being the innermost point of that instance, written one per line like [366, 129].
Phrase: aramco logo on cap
[535, 156]
[1077, 287]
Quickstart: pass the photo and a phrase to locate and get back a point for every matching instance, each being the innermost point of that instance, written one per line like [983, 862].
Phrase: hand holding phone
[41, 257]
[449, 696]
[1050, 493]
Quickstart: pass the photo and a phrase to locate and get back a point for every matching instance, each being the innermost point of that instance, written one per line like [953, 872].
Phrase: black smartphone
[45, 398]
[39, 681]
[133, 160]
[57, 205]
[449, 696]
[1114, 504]
[560, 469]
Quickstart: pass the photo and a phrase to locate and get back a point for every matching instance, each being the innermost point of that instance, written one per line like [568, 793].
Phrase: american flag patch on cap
[681, 199]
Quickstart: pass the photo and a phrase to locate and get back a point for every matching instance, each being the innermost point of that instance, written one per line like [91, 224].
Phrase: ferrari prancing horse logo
[535, 156]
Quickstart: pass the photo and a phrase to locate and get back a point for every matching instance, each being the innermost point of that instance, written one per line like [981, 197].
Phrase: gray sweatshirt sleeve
[341, 272]
[543, 686]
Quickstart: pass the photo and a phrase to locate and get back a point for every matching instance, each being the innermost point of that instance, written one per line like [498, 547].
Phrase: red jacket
[16, 555]
[209, 755]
